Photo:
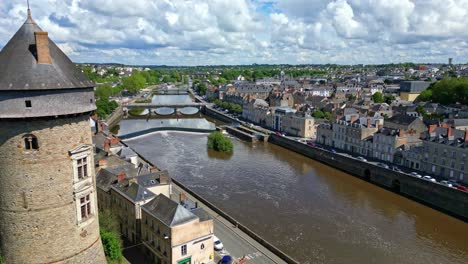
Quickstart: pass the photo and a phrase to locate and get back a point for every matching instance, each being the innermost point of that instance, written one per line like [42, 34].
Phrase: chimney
[163, 178]
[114, 140]
[182, 198]
[432, 128]
[380, 126]
[466, 135]
[107, 145]
[449, 132]
[103, 163]
[368, 122]
[353, 118]
[42, 47]
[444, 125]
[121, 177]
[154, 169]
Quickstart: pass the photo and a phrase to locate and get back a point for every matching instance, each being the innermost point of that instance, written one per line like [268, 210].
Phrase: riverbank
[247, 243]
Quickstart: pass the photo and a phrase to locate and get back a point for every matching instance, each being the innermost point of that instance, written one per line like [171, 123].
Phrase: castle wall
[39, 207]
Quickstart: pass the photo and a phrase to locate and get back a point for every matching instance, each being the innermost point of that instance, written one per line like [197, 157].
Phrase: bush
[112, 246]
[218, 142]
[110, 236]
[136, 111]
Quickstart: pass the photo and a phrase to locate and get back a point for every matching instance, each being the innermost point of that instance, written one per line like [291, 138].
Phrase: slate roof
[168, 211]
[402, 119]
[134, 191]
[202, 214]
[152, 179]
[19, 69]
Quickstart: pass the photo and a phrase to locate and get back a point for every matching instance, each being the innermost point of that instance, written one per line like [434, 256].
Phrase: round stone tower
[48, 209]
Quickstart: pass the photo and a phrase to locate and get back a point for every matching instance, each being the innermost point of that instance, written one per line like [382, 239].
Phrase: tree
[378, 98]
[134, 83]
[104, 91]
[218, 142]
[389, 99]
[201, 88]
[425, 96]
[420, 110]
[318, 114]
[328, 116]
[105, 107]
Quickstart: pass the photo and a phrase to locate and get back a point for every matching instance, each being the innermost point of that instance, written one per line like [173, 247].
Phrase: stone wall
[38, 211]
[115, 117]
[445, 199]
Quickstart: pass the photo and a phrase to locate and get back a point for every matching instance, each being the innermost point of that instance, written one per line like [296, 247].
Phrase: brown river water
[313, 212]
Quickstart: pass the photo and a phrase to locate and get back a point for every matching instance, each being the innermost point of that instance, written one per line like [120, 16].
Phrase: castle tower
[48, 210]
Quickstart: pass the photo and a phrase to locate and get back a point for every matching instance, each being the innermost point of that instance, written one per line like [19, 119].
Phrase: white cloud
[188, 32]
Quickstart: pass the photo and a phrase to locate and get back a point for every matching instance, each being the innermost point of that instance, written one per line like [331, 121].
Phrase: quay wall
[448, 200]
[241, 134]
[220, 116]
[115, 117]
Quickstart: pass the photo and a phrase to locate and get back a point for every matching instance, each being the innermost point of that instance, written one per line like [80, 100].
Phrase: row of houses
[166, 228]
[403, 140]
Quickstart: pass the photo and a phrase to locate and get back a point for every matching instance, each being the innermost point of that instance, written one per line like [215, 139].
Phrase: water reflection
[171, 99]
[213, 154]
[164, 111]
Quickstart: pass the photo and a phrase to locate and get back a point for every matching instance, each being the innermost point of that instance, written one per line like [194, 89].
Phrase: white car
[218, 245]
[429, 178]
[446, 183]
[361, 159]
[415, 174]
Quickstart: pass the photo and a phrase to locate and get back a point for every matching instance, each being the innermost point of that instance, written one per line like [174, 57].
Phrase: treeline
[235, 108]
[447, 91]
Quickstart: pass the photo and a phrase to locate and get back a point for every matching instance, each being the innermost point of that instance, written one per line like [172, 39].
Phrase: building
[292, 123]
[410, 90]
[406, 123]
[387, 142]
[173, 234]
[445, 152]
[47, 193]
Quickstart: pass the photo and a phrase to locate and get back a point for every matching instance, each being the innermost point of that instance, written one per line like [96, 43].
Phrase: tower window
[85, 204]
[30, 142]
[28, 103]
[82, 168]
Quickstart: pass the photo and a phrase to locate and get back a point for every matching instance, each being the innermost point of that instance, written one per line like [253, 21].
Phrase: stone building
[48, 209]
[387, 141]
[445, 152]
[172, 234]
[410, 90]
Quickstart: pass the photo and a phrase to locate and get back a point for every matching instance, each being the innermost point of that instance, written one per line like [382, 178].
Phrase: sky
[231, 32]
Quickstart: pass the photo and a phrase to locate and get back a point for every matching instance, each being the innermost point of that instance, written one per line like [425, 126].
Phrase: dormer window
[28, 103]
[30, 142]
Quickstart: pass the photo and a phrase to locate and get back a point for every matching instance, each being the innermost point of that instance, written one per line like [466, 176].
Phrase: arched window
[30, 142]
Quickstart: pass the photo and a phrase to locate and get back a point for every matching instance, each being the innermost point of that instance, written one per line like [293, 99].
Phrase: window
[453, 154]
[30, 142]
[183, 250]
[28, 103]
[85, 204]
[82, 167]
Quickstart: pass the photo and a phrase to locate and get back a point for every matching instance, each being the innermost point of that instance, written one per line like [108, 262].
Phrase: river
[313, 212]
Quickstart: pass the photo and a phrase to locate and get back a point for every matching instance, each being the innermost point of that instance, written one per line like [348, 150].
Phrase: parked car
[226, 260]
[395, 168]
[361, 158]
[278, 133]
[333, 150]
[218, 245]
[383, 165]
[446, 183]
[462, 188]
[415, 174]
[454, 183]
[429, 178]
[311, 144]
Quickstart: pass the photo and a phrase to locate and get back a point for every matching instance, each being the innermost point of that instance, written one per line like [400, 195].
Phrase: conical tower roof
[20, 70]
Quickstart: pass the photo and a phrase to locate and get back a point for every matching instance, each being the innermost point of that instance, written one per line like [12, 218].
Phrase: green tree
[134, 83]
[104, 91]
[425, 96]
[318, 114]
[201, 88]
[420, 110]
[328, 116]
[378, 98]
[105, 107]
[389, 99]
[218, 142]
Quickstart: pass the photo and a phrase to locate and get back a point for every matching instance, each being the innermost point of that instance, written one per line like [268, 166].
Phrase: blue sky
[206, 32]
